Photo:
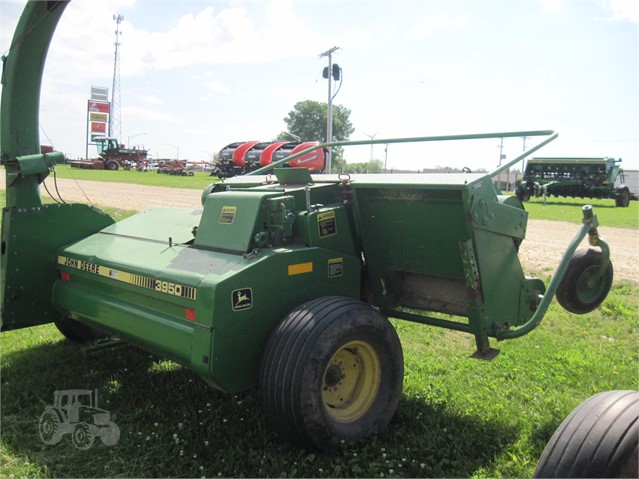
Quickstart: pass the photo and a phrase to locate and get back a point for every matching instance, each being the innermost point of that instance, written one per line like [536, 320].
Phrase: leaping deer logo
[242, 299]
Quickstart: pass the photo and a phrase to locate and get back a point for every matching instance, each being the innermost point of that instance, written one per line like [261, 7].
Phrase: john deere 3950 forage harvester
[283, 281]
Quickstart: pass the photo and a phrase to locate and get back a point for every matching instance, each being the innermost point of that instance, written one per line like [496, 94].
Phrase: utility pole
[115, 123]
[501, 150]
[329, 115]
[385, 157]
[523, 159]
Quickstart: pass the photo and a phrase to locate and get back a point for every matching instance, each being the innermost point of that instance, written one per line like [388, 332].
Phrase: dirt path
[540, 252]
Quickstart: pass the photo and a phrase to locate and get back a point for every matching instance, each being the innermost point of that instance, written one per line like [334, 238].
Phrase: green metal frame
[27, 271]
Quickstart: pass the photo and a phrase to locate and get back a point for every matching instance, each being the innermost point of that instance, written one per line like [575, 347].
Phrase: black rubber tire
[297, 360]
[623, 197]
[76, 331]
[522, 194]
[112, 165]
[597, 439]
[572, 292]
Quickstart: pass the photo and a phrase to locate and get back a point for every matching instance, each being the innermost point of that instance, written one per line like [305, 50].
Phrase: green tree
[374, 166]
[307, 120]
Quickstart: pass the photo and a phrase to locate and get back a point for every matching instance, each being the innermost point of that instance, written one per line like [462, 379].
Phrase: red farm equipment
[240, 158]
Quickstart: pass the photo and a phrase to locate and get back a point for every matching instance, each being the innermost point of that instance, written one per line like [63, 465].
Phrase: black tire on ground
[623, 197]
[332, 371]
[574, 292]
[522, 194]
[76, 331]
[597, 439]
[112, 165]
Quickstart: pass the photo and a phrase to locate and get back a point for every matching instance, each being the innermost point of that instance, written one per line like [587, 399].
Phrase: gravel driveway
[540, 252]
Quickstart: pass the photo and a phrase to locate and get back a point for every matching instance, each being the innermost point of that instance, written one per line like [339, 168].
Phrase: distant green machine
[281, 281]
[575, 178]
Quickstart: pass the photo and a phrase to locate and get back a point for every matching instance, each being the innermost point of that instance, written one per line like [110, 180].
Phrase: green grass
[458, 417]
[569, 209]
[199, 181]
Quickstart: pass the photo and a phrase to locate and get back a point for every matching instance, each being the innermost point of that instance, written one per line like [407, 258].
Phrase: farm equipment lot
[173, 425]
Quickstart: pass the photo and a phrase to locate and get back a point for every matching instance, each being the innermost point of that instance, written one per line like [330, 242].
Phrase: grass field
[198, 181]
[568, 209]
[458, 417]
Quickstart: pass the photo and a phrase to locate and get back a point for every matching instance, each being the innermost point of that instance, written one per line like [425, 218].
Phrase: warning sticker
[326, 224]
[227, 215]
[335, 267]
[242, 299]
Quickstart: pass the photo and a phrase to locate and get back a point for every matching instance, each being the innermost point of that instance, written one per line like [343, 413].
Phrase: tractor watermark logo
[76, 412]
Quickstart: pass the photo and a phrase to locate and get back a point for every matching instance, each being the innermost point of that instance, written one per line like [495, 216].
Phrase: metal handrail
[479, 136]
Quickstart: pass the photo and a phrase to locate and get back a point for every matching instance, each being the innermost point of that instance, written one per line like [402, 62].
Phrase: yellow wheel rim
[351, 381]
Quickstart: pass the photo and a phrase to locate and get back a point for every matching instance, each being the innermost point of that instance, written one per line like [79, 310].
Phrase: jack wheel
[82, 436]
[332, 371]
[580, 291]
[76, 331]
[597, 439]
[49, 427]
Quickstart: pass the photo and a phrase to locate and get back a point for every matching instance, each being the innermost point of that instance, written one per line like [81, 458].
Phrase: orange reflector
[190, 314]
[65, 276]
[300, 268]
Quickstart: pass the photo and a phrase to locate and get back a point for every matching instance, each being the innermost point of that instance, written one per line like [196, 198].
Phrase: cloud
[148, 114]
[550, 6]
[230, 35]
[151, 99]
[432, 24]
[624, 10]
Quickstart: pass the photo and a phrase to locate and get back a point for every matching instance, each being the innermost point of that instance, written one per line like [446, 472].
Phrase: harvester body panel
[209, 303]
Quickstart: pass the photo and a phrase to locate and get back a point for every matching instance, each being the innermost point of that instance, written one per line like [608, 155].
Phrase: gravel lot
[540, 252]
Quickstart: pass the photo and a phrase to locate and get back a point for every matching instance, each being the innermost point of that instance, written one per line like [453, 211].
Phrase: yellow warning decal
[166, 287]
[227, 215]
[300, 268]
[335, 267]
[326, 224]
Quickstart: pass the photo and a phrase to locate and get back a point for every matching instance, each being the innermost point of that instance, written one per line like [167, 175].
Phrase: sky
[197, 75]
